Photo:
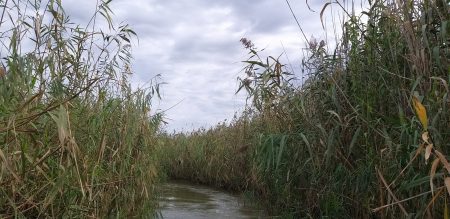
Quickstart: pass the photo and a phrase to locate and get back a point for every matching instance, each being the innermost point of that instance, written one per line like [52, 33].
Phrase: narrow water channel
[185, 201]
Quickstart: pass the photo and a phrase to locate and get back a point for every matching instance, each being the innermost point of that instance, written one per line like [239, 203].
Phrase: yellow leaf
[421, 112]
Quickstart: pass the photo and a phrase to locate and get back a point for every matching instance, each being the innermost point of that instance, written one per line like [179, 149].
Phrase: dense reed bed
[201, 157]
[76, 141]
[357, 139]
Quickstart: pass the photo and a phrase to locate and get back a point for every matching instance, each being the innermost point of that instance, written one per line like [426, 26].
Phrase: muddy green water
[185, 201]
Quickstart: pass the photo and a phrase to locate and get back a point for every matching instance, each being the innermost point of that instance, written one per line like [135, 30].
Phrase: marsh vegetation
[366, 135]
[76, 141]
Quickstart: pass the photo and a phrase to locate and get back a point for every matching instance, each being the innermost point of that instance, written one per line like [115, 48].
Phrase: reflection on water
[185, 201]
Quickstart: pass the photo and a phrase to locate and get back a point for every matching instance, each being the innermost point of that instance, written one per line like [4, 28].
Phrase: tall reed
[347, 143]
[76, 139]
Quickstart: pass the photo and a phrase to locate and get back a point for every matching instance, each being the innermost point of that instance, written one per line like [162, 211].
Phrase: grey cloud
[193, 49]
[195, 45]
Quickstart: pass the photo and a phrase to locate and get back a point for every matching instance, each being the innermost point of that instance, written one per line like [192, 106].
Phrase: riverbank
[350, 141]
[365, 135]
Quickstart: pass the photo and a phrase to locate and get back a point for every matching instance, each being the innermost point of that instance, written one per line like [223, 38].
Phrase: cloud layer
[194, 45]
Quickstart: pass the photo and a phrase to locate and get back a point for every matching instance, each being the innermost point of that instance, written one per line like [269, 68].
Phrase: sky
[194, 45]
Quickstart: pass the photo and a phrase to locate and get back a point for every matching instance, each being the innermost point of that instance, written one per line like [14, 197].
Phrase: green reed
[347, 142]
[77, 141]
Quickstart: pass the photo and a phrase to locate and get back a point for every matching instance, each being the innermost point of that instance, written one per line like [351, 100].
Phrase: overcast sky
[194, 45]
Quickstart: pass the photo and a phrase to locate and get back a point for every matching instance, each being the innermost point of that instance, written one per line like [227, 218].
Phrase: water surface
[185, 201]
